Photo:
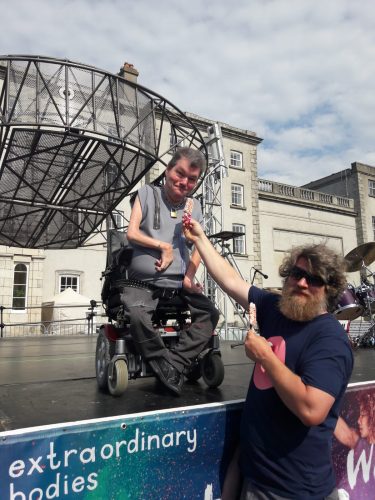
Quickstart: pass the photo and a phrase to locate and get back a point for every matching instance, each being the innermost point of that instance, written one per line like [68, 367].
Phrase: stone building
[339, 210]
[292, 216]
[273, 217]
[358, 183]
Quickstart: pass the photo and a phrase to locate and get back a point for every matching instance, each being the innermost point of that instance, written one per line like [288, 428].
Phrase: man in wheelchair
[163, 267]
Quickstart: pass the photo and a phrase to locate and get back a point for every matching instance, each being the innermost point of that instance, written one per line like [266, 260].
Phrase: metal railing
[308, 195]
[232, 333]
[84, 322]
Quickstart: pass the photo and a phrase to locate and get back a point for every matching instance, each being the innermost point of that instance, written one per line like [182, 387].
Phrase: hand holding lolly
[254, 343]
[186, 218]
[252, 323]
[253, 319]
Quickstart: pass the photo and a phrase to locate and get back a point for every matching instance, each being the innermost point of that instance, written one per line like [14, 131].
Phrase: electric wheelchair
[117, 360]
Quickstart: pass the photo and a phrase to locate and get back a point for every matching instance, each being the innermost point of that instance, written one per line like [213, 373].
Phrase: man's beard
[300, 307]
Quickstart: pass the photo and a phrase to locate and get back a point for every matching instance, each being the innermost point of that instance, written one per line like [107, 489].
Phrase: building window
[239, 246]
[114, 178]
[68, 281]
[19, 287]
[237, 195]
[69, 225]
[172, 138]
[116, 221]
[113, 135]
[209, 194]
[236, 159]
[210, 226]
[371, 188]
[69, 222]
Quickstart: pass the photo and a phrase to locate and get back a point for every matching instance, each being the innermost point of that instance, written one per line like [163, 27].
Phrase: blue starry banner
[169, 454]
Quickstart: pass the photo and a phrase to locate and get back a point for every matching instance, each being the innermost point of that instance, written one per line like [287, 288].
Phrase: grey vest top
[143, 262]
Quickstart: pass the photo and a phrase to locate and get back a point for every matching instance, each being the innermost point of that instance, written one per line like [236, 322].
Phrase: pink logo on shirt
[261, 379]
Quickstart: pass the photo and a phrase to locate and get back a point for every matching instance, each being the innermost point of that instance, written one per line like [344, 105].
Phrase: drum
[348, 307]
[366, 296]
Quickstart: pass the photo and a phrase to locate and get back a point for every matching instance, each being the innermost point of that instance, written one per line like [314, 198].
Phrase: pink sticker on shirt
[261, 379]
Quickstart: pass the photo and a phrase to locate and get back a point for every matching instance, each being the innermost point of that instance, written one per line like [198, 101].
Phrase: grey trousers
[140, 306]
[250, 493]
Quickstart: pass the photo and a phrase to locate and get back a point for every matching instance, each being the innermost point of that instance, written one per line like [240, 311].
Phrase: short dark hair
[195, 157]
[322, 262]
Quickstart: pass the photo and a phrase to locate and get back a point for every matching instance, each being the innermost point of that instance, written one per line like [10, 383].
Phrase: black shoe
[167, 374]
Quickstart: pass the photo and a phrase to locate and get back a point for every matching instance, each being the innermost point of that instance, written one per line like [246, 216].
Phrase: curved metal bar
[74, 141]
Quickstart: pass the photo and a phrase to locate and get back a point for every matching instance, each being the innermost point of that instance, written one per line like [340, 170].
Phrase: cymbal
[363, 254]
[226, 235]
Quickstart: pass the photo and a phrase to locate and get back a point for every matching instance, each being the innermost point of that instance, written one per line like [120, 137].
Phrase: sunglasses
[297, 273]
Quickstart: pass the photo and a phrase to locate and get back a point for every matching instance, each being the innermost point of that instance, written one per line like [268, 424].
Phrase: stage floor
[49, 380]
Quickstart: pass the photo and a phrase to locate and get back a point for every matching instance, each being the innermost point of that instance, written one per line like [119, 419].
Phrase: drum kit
[359, 301]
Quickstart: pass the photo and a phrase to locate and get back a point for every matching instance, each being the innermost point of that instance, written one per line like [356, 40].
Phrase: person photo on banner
[359, 481]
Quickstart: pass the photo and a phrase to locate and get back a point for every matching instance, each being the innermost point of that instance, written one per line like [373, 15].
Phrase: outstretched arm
[135, 235]
[221, 271]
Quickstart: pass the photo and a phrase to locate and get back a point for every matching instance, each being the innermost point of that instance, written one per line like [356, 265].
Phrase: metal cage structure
[74, 142]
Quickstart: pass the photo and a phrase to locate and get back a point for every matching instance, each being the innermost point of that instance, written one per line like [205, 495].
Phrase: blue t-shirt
[278, 452]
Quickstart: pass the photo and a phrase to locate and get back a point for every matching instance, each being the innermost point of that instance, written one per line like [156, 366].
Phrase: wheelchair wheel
[212, 369]
[119, 382]
[102, 359]
[194, 373]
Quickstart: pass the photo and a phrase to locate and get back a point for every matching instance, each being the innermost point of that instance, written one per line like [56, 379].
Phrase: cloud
[299, 74]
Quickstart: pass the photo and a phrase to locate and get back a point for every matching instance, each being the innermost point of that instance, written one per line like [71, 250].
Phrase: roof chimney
[129, 72]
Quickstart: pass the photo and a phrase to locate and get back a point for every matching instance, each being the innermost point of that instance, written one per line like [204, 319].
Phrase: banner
[353, 447]
[169, 454]
[165, 454]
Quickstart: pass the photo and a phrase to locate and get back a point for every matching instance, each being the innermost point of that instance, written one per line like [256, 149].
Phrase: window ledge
[237, 207]
[237, 168]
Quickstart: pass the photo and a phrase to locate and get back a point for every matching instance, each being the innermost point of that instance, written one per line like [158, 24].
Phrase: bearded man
[303, 362]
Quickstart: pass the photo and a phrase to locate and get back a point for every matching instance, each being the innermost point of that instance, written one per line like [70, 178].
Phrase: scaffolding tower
[213, 213]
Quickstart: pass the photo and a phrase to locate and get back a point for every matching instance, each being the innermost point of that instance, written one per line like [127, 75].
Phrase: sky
[298, 73]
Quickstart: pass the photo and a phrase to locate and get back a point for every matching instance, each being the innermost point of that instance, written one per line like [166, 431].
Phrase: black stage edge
[50, 380]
